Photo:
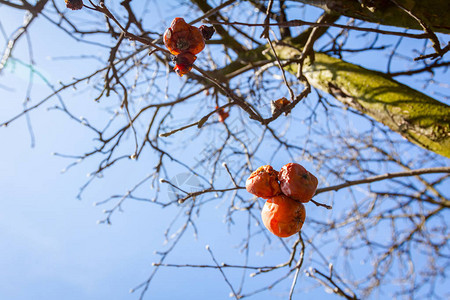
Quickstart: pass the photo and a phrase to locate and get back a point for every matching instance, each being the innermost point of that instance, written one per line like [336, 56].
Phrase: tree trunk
[435, 13]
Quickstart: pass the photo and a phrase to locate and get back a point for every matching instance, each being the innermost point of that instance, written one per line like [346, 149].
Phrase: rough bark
[435, 13]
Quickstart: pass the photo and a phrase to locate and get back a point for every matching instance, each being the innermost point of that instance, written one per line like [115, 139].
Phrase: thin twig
[384, 177]
[432, 36]
[291, 93]
[221, 271]
[298, 266]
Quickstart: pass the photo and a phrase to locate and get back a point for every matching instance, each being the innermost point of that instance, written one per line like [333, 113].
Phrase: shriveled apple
[263, 182]
[296, 182]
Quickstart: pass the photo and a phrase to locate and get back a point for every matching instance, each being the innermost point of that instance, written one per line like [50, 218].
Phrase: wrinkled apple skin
[263, 182]
[296, 182]
[283, 216]
[181, 37]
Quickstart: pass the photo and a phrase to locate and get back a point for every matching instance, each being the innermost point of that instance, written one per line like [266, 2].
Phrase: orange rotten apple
[184, 63]
[283, 216]
[181, 37]
[263, 182]
[296, 182]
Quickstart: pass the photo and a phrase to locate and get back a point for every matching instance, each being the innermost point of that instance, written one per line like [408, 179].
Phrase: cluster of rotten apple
[283, 213]
[184, 41]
